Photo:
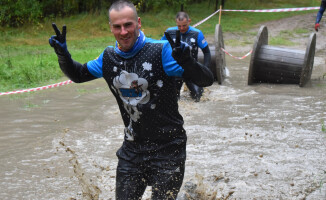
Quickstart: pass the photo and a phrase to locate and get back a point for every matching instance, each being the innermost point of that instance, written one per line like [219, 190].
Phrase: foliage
[155, 5]
[72, 7]
[17, 12]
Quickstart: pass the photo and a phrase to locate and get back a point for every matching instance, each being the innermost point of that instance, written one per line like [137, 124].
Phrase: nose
[123, 31]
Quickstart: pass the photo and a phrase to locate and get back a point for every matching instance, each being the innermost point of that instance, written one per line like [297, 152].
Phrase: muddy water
[245, 142]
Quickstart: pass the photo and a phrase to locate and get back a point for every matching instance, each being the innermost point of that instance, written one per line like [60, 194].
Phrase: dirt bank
[296, 29]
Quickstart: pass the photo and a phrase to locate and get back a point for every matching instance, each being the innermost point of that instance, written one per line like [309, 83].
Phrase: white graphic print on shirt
[133, 90]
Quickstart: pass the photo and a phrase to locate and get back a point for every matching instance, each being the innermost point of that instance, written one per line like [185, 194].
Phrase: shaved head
[119, 5]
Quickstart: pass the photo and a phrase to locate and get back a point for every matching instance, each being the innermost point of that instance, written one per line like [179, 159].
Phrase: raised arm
[74, 70]
[207, 56]
[193, 70]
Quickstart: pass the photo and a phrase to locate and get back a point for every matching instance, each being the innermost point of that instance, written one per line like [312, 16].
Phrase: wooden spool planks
[217, 64]
[269, 64]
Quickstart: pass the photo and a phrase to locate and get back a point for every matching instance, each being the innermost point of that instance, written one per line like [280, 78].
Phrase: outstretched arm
[203, 45]
[320, 12]
[72, 69]
[207, 56]
[193, 70]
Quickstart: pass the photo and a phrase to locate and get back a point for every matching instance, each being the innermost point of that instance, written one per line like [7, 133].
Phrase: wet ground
[263, 141]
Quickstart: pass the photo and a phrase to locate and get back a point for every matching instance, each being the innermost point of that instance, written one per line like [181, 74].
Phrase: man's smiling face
[125, 27]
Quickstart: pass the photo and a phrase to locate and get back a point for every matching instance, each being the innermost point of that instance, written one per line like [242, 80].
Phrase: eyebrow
[124, 24]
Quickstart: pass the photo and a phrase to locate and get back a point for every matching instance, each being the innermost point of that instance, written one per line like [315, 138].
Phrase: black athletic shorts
[131, 183]
[162, 169]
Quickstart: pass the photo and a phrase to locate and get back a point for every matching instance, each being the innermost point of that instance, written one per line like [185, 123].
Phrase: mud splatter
[90, 191]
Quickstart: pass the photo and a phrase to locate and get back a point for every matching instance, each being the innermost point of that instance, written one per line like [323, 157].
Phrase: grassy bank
[26, 59]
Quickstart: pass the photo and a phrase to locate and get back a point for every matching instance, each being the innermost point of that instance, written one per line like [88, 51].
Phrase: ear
[189, 21]
[139, 23]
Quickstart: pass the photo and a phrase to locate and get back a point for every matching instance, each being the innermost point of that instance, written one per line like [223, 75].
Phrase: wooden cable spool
[270, 64]
[217, 64]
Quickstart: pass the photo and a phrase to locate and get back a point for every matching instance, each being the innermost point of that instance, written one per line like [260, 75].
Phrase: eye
[127, 24]
[115, 26]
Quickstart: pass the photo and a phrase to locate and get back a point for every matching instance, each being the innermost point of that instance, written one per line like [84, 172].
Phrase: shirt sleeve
[201, 41]
[163, 37]
[320, 12]
[95, 66]
[170, 66]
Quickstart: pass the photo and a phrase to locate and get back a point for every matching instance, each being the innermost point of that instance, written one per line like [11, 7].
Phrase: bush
[18, 12]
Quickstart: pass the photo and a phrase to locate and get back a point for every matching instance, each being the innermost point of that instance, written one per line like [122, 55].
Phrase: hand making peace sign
[58, 41]
[180, 50]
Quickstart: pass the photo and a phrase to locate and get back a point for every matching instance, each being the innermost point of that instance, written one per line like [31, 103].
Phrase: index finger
[56, 30]
[167, 35]
[177, 38]
[64, 31]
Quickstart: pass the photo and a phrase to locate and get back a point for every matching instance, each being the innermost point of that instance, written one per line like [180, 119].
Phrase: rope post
[219, 18]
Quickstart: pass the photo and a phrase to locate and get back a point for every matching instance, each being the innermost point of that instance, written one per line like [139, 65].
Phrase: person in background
[194, 38]
[140, 73]
[320, 14]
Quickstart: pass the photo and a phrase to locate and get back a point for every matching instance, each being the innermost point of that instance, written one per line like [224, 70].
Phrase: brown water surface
[255, 142]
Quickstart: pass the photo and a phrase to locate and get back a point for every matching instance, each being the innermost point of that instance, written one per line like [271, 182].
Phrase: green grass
[27, 60]
[278, 40]
[282, 39]
[301, 31]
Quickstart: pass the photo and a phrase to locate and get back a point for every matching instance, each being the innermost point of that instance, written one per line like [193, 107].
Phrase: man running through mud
[320, 14]
[140, 73]
[194, 38]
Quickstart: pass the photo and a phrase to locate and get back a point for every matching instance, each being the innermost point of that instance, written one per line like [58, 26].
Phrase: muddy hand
[317, 26]
[180, 50]
[177, 39]
[58, 41]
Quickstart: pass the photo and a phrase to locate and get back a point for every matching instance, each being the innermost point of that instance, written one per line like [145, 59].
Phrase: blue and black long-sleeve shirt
[143, 83]
[321, 11]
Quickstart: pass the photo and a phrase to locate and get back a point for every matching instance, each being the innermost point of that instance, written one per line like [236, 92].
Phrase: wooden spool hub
[217, 64]
[269, 64]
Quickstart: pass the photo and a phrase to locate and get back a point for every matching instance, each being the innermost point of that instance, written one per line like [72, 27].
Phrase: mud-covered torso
[145, 94]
